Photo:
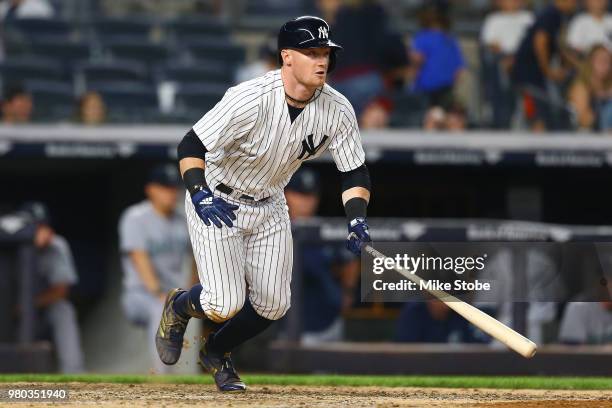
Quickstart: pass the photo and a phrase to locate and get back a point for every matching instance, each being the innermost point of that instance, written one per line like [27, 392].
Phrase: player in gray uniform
[154, 246]
[251, 142]
[55, 273]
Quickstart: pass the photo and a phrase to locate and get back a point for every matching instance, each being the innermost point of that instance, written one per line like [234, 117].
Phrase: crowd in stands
[539, 65]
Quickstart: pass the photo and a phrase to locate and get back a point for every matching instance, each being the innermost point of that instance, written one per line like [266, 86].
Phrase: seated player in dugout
[235, 162]
[54, 274]
[330, 273]
[154, 247]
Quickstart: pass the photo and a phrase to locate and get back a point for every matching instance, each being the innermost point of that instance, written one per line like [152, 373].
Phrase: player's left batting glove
[358, 235]
[210, 208]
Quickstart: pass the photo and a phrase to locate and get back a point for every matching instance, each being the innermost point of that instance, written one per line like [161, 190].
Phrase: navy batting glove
[358, 235]
[213, 209]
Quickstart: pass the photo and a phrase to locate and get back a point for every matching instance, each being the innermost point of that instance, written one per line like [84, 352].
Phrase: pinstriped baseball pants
[254, 258]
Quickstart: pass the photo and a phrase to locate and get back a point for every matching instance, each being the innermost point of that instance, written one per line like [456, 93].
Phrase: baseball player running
[251, 142]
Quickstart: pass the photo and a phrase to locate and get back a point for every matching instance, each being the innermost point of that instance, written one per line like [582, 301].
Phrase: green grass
[553, 383]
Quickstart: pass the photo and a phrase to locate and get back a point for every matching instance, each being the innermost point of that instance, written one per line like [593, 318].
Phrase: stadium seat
[21, 69]
[193, 100]
[137, 50]
[115, 29]
[118, 71]
[213, 50]
[65, 52]
[409, 110]
[53, 101]
[194, 73]
[275, 8]
[41, 28]
[192, 29]
[127, 103]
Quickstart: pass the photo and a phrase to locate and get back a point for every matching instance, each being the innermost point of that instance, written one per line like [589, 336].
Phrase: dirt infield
[189, 395]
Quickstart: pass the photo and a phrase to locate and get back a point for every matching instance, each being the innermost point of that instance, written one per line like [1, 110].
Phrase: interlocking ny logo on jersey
[309, 147]
[323, 32]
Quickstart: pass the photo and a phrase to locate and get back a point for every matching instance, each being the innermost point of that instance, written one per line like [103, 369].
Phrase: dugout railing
[19, 349]
[408, 146]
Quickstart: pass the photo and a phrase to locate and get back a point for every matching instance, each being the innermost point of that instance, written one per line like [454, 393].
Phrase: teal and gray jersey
[55, 265]
[164, 239]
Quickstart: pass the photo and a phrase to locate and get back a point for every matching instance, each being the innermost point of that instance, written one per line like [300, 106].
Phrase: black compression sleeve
[359, 177]
[194, 180]
[191, 146]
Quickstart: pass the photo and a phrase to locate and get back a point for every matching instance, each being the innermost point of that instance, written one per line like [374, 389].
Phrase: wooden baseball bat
[477, 317]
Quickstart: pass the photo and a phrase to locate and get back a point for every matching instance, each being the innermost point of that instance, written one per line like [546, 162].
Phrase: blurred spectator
[55, 273]
[591, 92]
[376, 115]
[587, 323]
[361, 28]
[456, 118]
[91, 109]
[503, 30]
[328, 9]
[154, 245]
[591, 27]
[500, 37]
[15, 9]
[435, 119]
[434, 322]
[267, 61]
[17, 105]
[451, 119]
[534, 69]
[437, 55]
[329, 272]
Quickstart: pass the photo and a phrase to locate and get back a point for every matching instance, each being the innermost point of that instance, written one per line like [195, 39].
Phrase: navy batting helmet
[36, 212]
[307, 32]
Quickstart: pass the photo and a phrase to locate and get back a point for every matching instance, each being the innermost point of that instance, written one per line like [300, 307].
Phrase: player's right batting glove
[358, 235]
[210, 208]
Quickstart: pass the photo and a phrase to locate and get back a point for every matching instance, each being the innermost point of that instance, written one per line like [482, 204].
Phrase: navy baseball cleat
[169, 337]
[222, 369]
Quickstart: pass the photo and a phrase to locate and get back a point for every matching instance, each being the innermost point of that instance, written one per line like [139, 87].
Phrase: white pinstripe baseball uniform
[253, 149]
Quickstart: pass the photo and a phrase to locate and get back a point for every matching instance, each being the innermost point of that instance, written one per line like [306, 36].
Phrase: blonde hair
[585, 71]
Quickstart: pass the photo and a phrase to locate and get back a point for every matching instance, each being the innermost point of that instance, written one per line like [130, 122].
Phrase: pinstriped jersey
[254, 148]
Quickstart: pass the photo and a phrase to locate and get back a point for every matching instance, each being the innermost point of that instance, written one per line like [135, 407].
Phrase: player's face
[162, 197]
[310, 66]
[43, 236]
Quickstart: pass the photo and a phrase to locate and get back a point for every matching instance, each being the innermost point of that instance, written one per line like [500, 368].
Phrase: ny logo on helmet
[323, 32]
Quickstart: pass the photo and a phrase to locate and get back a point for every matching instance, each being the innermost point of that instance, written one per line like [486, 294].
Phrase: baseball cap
[304, 181]
[36, 211]
[165, 174]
